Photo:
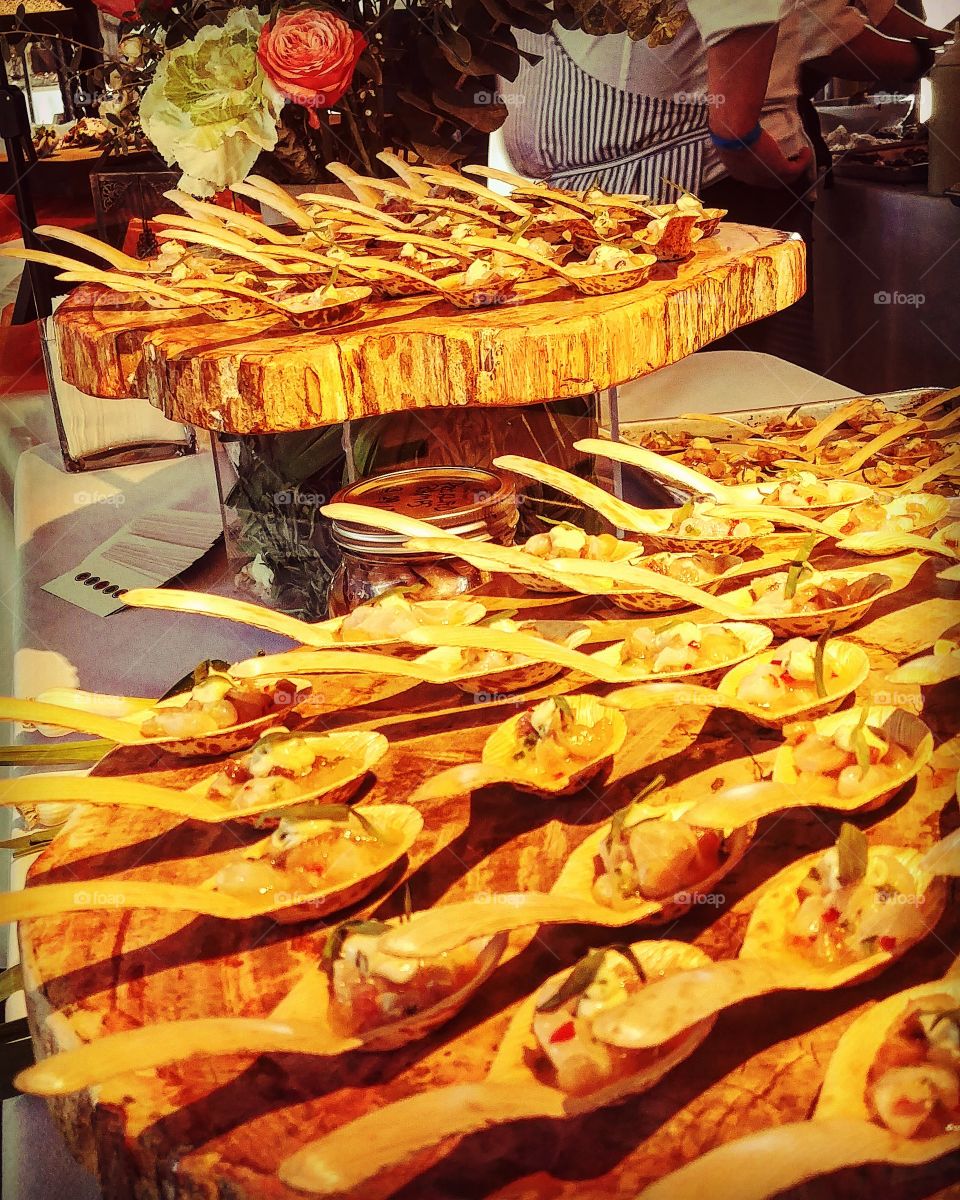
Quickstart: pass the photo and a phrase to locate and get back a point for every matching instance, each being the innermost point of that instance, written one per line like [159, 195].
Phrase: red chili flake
[887, 943]
[563, 1033]
[830, 915]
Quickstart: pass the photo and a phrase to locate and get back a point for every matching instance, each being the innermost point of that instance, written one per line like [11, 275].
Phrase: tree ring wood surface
[261, 375]
[213, 1129]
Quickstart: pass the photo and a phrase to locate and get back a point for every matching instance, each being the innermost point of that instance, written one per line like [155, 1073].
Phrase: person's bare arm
[738, 72]
[870, 55]
[898, 23]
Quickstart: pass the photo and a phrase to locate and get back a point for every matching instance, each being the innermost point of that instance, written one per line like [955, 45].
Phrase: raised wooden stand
[263, 376]
[216, 1128]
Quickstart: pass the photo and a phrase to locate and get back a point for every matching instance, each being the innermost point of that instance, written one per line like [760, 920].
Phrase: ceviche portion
[913, 1087]
[220, 702]
[787, 677]
[788, 592]
[855, 759]
[313, 855]
[567, 541]
[685, 646]
[651, 856]
[903, 514]
[805, 490]
[555, 740]
[280, 768]
[460, 660]
[696, 569]
[692, 522]
[855, 901]
[568, 1055]
[370, 988]
[391, 617]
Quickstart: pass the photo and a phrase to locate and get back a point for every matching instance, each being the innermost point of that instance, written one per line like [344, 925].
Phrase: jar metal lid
[471, 502]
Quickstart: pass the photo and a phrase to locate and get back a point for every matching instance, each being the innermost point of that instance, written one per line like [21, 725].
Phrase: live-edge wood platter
[261, 375]
[216, 1129]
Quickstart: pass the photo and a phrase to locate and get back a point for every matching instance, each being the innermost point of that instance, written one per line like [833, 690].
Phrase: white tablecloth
[58, 518]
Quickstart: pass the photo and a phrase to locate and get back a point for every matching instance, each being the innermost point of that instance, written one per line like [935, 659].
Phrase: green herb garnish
[584, 973]
[819, 676]
[852, 853]
[340, 933]
[368, 827]
[11, 981]
[798, 567]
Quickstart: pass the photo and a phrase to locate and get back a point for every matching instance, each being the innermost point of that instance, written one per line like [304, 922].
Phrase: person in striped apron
[629, 117]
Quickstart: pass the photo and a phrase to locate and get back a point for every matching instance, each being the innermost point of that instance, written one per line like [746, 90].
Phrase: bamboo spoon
[765, 964]
[935, 402]
[888, 543]
[875, 445]
[236, 246]
[241, 611]
[332, 206]
[822, 430]
[619, 572]
[531, 188]
[201, 210]
[299, 1024]
[488, 556]
[589, 284]
[208, 292]
[348, 1157]
[34, 712]
[404, 171]
[944, 467]
[841, 1133]
[618, 512]
[398, 827]
[83, 241]
[441, 248]
[453, 179]
[355, 753]
[368, 191]
[739, 495]
[270, 194]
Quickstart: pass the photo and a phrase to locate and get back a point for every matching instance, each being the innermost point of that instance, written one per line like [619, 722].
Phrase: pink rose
[310, 56]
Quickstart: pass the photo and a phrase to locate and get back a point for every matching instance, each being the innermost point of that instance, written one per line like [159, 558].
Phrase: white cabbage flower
[209, 108]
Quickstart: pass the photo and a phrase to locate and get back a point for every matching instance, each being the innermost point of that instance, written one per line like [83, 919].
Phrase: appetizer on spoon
[551, 1063]
[282, 771]
[891, 1094]
[380, 623]
[854, 761]
[799, 679]
[218, 715]
[828, 920]
[646, 865]
[364, 999]
[552, 750]
[309, 866]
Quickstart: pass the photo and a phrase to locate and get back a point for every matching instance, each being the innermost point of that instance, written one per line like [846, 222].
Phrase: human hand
[765, 165]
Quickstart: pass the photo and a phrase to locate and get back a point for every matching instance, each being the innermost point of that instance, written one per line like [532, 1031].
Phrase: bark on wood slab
[263, 376]
[216, 1129]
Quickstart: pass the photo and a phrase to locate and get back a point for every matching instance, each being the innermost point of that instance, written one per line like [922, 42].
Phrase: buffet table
[190, 887]
[226, 1123]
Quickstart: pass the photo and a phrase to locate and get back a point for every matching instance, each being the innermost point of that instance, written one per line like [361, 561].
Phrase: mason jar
[469, 502]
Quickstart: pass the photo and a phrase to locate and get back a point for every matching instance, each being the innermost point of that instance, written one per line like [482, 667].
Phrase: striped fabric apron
[571, 129]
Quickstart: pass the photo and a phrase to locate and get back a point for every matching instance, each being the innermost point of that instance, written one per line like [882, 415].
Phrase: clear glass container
[95, 433]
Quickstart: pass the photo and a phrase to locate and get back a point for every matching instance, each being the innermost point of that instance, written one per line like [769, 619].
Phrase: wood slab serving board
[214, 1129]
[263, 376]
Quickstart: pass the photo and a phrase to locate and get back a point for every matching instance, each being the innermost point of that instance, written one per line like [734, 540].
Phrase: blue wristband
[740, 143]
